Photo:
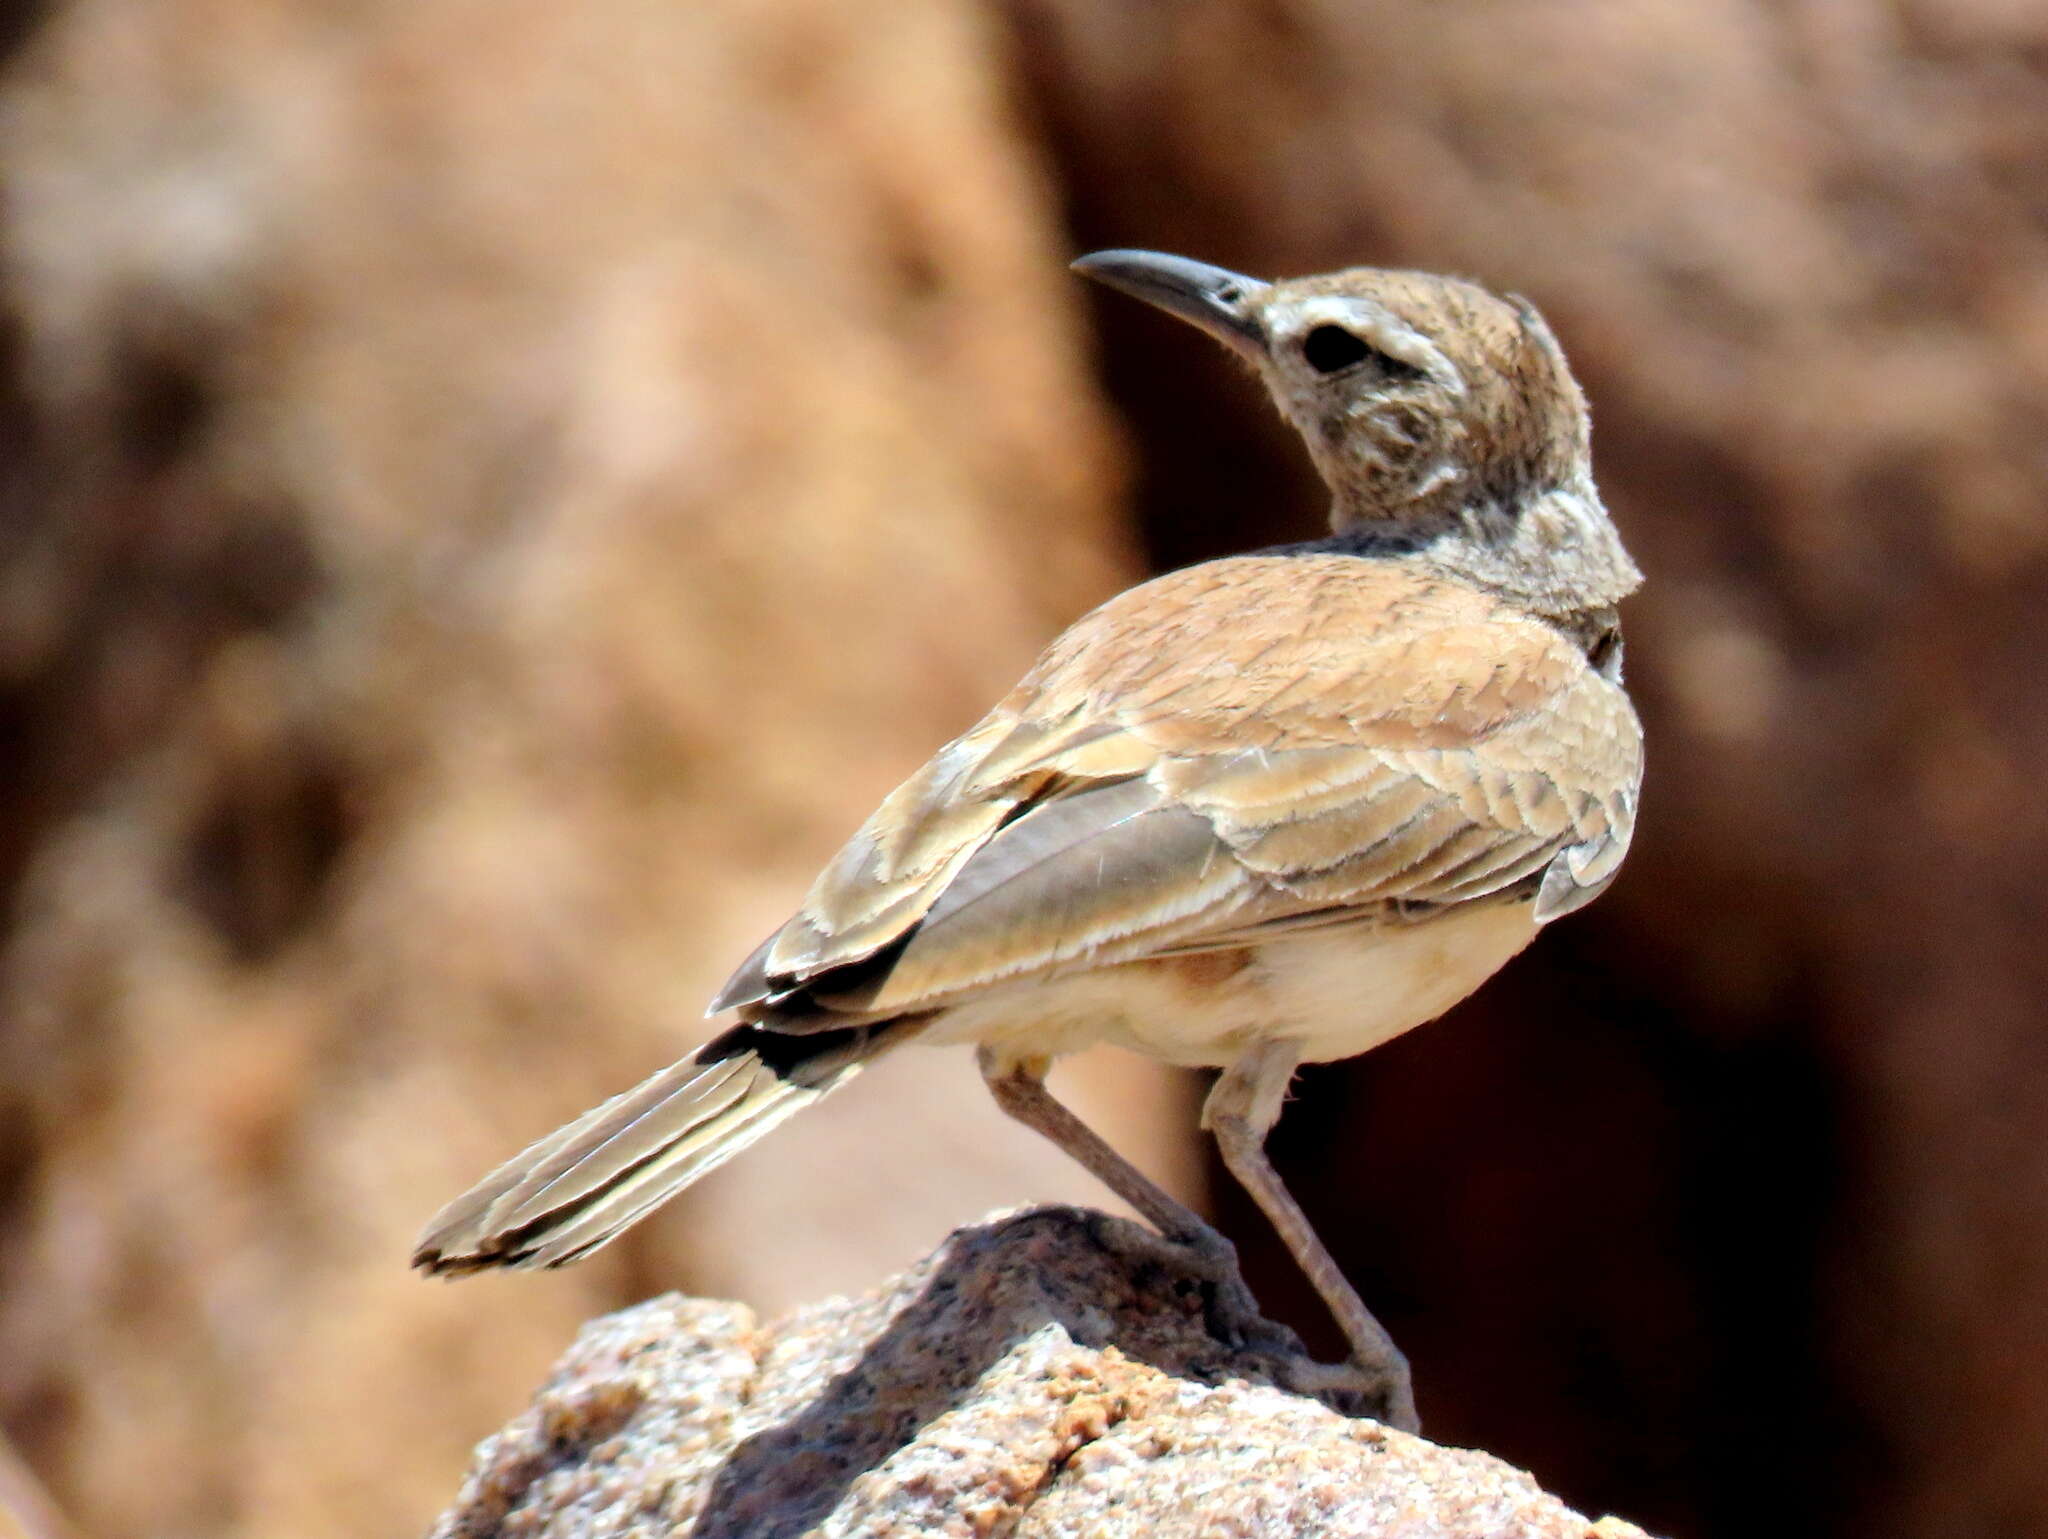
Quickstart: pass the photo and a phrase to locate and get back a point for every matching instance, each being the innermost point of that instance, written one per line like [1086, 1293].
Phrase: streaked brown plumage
[1264, 811]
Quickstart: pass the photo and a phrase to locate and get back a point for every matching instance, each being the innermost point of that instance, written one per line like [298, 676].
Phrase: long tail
[587, 1183]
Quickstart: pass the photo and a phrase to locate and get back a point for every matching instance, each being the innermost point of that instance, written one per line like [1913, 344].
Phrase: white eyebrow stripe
[1373, 322]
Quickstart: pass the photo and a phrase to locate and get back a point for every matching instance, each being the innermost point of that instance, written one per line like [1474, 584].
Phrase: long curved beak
[1215, 299]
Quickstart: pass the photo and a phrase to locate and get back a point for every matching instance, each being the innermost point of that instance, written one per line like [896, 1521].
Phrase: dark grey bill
[1219, 301]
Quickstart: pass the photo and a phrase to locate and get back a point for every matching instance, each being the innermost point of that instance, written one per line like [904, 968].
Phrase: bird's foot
[1379, 1390]
[1232, 1312]
[1200, 1254]
[1375, 1384]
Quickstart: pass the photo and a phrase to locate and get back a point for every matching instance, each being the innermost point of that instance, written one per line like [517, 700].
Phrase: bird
[1264, 811]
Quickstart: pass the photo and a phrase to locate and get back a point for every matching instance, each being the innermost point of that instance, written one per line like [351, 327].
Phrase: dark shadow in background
[1598, 1218]
[1594, 1221]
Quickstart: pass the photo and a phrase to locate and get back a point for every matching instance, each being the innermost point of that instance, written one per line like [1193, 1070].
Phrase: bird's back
[1218, 756]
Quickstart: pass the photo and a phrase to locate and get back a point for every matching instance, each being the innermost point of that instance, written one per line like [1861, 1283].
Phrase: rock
[1048, 1373]
[1805, 281]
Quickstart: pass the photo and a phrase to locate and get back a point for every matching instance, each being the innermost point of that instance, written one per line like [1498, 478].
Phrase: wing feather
[1245, 748]
[1071, 879]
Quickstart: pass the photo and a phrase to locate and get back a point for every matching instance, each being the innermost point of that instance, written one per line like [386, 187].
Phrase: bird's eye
[1330, 348]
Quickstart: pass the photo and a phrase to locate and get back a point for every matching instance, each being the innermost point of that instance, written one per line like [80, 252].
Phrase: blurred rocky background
[493, 492]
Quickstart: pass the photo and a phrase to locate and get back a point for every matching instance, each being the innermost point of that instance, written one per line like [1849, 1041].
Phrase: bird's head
[1432, 407]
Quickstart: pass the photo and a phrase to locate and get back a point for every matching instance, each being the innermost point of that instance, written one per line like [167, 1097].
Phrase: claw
[1381, 1390]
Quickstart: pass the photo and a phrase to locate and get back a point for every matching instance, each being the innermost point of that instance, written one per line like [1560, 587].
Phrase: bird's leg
[1233, 1315]
[1019, 1089]
[1240, 1111]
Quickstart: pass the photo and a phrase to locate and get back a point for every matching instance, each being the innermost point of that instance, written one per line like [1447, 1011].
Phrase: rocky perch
[1054, 1372]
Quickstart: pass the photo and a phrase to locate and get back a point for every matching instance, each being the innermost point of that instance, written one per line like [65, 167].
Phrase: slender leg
[1019, 1089]
[1240, 1111]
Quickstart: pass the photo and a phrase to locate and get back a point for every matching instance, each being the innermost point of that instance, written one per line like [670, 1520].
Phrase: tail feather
[607, 1145]
[637, 1193]
[585, 1184]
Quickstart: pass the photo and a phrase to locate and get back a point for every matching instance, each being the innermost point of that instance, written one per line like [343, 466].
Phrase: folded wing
[1229, 751]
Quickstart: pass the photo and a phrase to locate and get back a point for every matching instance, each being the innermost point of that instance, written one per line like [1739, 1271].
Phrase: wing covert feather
[1238, 748]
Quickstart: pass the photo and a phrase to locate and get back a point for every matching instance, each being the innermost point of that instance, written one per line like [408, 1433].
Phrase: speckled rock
[1049, 1373]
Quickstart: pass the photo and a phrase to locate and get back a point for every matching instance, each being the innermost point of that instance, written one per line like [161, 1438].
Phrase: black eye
[1330, 348]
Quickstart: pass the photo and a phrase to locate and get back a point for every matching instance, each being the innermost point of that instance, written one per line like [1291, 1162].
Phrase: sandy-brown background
[492, 492]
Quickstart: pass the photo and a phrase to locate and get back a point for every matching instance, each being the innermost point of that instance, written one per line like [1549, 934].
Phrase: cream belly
[1339, 992]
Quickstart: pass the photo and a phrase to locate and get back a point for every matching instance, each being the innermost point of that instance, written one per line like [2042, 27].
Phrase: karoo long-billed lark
[1264, 811]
